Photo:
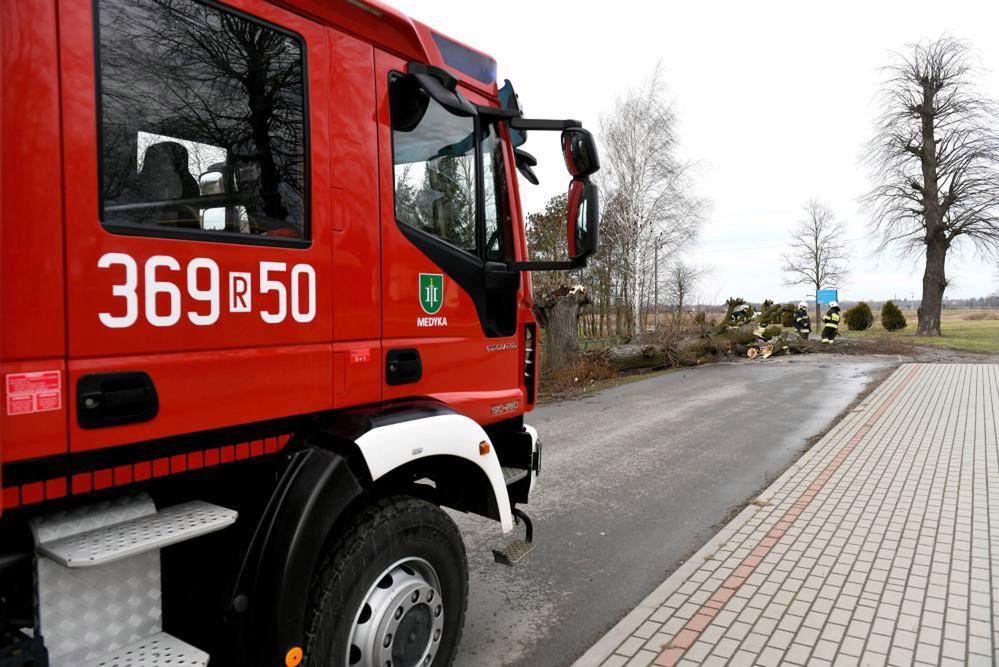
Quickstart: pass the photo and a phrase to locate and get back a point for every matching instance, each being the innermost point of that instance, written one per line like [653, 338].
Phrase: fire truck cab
[265, 309]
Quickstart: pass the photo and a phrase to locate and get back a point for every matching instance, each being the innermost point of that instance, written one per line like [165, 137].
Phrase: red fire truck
[265, 310]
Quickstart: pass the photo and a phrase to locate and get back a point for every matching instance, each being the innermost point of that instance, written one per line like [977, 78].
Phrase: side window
[203, 126]
[434, 162]
[496, 202]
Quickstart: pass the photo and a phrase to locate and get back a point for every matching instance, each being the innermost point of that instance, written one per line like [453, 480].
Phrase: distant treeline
[982, 302]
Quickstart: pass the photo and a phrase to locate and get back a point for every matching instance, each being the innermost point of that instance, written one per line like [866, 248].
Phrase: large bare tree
[817, 255]
[933, 157]
[654, 213]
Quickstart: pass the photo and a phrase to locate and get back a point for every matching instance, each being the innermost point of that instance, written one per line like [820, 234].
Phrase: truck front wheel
[390, 591]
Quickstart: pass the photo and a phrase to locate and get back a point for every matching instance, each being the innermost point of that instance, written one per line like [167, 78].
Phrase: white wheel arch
[387, 448]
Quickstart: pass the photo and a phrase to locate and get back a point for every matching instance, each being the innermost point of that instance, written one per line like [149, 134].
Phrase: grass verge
[959, 332]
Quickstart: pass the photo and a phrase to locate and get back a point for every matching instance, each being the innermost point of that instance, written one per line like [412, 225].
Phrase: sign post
[826, 296]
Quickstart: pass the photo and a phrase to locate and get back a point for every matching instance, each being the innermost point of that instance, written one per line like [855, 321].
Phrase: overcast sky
[775, 102]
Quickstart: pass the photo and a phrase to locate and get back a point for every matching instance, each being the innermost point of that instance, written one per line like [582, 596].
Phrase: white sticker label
[28, 393]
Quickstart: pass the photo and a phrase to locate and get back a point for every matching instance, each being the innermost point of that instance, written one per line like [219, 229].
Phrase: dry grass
[589, 376]
[585, 376]
[971, 330]
[979, 315]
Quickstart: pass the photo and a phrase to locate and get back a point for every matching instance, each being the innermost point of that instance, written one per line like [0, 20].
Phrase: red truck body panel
[32, 300]
[60, 267]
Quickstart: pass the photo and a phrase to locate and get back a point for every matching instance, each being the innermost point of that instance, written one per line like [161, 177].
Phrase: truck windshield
[435, 177]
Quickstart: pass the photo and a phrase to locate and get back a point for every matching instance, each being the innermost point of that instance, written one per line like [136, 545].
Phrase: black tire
[387, 531]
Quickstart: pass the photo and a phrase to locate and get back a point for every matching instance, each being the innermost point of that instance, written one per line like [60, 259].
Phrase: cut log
[631, 356]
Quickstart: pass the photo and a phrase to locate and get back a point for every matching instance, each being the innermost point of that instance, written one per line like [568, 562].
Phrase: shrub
[859, 318]
[787, 319]
[892, 317]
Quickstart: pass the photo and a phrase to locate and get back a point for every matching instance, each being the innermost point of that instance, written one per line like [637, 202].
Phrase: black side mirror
[583, 219]
[442, 87]
[580, 152]
[525, 165]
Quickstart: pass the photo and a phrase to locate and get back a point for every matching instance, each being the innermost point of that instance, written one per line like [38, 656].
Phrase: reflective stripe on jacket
[831, 320]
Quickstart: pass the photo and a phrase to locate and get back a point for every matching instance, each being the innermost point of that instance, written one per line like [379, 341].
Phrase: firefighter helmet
[834, 304]
[802, 304]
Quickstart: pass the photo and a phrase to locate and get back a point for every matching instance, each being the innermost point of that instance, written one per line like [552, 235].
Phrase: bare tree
[654, 210]
[558, 312]
[818, 254]
[546, 243]
[681, 283]
[933, 159]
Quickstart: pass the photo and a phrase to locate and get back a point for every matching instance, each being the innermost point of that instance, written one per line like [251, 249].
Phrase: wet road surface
[634, 479]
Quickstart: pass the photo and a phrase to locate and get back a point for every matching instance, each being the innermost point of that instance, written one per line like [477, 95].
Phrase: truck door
[450, 303]
[198, 240]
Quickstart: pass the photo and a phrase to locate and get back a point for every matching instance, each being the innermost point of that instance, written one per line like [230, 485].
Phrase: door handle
[403, 366]
[115, 399]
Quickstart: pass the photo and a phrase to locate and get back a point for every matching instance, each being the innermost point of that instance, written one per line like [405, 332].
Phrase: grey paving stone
[895, 561]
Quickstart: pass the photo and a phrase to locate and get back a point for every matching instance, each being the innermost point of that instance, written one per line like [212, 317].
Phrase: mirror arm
[543, 125]
[497, 113]
[548, 266]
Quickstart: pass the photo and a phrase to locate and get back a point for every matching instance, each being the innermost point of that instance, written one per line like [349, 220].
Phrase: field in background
[971, 330]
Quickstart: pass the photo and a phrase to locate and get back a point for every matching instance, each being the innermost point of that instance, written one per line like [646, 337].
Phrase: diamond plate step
[513, 553]
[159, 650]
[512, 475]
[137, 535]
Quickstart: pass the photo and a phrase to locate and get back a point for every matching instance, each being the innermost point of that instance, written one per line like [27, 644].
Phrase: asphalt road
[634, 479]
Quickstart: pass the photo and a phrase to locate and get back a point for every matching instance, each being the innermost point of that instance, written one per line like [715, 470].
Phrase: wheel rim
[400, 621]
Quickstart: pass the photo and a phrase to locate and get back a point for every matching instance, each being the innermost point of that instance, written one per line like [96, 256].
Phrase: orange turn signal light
[294, 657]
[483, 448]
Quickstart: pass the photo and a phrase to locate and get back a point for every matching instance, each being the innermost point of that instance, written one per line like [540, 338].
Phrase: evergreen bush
[859, 318]
[892, 318]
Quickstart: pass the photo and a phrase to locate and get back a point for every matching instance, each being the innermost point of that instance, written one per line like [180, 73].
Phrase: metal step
[137, 535]
[513, 475]
[515, 552]
[159, 650]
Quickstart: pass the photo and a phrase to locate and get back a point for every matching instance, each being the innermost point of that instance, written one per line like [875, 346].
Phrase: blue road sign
[827, 295]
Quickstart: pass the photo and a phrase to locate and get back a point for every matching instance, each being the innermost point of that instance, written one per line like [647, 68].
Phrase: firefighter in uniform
[802, 322]
[830, 323]
[741, 314]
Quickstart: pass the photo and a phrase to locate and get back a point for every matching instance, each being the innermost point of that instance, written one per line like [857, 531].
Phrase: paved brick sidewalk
[879, 546]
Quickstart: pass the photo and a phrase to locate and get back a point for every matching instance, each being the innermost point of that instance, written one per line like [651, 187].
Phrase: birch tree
[649, 184]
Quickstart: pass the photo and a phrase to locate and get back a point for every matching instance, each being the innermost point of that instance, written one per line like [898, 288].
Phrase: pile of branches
[759, 336]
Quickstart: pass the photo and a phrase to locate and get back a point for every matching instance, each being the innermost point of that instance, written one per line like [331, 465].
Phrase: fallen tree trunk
[630, 356]
[699, 349]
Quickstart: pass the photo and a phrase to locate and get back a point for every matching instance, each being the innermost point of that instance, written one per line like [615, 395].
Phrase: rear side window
[203, 122]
